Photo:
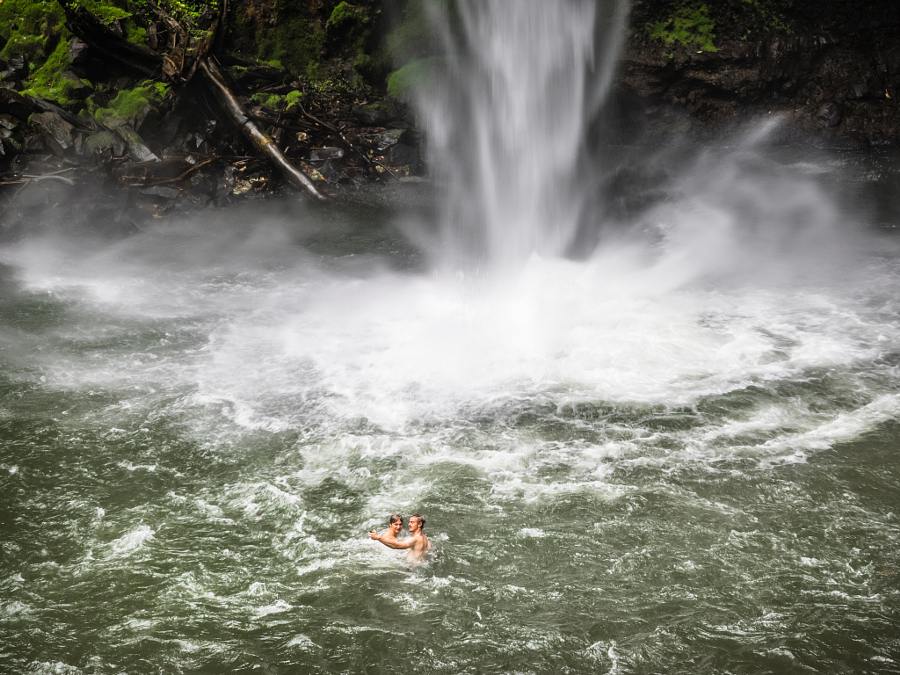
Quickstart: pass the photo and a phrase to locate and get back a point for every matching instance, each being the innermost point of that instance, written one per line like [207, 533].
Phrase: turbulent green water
[200, 422]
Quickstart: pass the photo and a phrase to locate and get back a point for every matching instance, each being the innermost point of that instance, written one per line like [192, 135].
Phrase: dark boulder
[55, 132]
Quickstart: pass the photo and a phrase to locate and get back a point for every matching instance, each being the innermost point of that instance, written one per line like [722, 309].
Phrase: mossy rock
[103, 143]
[53, 81]
[346, 16]
[28, 47]
[288, 36]
[689, 26]
[405, 81]
[130, 106]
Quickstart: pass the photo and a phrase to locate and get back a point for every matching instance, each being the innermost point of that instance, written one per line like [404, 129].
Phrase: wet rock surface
[833, 72]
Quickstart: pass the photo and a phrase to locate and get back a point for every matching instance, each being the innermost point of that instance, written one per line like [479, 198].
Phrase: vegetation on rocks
[688, 26]
[345, 14]
[131, 105]
[52, 80]
[106, 12]
[26, 27]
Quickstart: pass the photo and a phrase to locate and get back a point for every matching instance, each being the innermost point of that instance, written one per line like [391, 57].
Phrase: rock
[78, 52]
[404, 155]
[829, 114]
[167, 131]
[325, 153]
[14, 70]
[224, 185]
[8, 122]
[250, 77]
[387, 139]
[55, 131]
[77, 88]
[13, 103]
[103, 144]
[374, 114]
[137, 149]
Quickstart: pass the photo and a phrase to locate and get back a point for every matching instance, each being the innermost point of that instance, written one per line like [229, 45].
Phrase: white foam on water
[316, 566]
[13, 608]
[276, 607]
[401, 349]
[841, 427]
[52, 668]
[129, 466]
[302, 642]
[131, 541]
[406, 367]
[531, 533]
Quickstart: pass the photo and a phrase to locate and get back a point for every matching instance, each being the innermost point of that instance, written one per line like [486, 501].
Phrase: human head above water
[419, 518]
[395, 518]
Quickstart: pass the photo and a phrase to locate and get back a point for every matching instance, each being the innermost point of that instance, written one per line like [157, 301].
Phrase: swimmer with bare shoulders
[416, 545]
[392, 533]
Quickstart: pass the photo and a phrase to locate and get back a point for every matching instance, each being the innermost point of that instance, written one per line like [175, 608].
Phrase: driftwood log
[263, 143]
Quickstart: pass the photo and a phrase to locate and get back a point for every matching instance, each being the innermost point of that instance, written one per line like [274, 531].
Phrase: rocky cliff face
[833, 69]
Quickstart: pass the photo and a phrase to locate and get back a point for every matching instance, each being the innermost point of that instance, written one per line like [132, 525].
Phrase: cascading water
[676, 454]
[506, 112]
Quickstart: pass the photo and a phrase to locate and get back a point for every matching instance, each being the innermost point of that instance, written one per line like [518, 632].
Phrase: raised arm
[390, 543]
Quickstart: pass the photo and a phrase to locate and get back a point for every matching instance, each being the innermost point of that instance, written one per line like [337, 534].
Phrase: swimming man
[392, 533]
[416, 545]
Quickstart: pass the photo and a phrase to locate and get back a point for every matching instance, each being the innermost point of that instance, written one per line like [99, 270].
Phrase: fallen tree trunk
[263, 143]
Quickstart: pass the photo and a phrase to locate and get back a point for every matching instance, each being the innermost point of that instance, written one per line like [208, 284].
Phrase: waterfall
[506, 115]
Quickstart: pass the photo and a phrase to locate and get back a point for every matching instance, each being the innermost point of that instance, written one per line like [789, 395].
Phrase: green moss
[106, 12]
[267, 100]
[688, 26]
[130, 105]
[294, 42]
[51, 81]
[345, 14]
[402, 82]
[27, 17]
[27, 27]
[136, 34]
[189, 10]
[292, 99]
[30, 47]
